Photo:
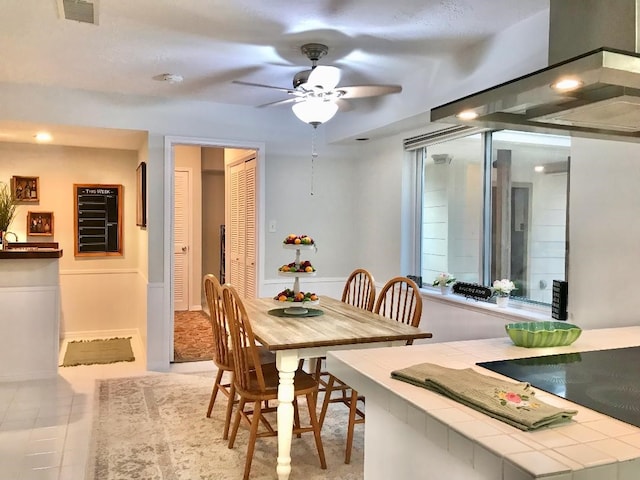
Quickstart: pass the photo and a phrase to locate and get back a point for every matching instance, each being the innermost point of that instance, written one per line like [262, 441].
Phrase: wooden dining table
[340, 326]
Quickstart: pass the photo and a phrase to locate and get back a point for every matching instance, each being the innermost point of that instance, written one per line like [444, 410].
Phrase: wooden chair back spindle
[360, 290]
[218, 319]
[400, 300]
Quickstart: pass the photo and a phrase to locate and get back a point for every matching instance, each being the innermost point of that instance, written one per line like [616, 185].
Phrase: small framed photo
[25, 189]
[40, 223]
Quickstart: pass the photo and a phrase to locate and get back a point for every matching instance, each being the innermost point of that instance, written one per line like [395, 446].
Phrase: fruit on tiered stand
[288, 295]
[297, 300]
[293, 239]
[302, 267]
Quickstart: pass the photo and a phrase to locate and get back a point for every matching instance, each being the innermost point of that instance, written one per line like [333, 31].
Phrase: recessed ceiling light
[43, 137]
[539, 168]
[467, 115]
[566, 84]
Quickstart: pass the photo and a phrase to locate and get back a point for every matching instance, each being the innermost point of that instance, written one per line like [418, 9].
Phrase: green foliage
[7, 207]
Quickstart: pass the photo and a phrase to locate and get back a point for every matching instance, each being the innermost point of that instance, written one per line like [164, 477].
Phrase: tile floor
[45, 425]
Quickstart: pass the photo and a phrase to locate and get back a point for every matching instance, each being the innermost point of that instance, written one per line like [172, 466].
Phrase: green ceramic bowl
[543, 334]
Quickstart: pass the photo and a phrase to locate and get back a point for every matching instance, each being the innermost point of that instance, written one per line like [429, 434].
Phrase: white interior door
[181, 248]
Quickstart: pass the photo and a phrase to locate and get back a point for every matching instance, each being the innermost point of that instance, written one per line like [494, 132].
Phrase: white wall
[97, 293]
[604, 253]
[377, 209]
[318, 201]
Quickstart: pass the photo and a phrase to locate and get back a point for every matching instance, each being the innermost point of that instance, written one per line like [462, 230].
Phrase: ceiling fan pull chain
[314, 154]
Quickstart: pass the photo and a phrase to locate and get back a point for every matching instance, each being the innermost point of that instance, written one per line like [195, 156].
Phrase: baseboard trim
[96, 334]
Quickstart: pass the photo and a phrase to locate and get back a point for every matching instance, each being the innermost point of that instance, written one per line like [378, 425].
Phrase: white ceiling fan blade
[323, 76]
[280, 102]
[361, 91]
[343, 105]
[251, 84]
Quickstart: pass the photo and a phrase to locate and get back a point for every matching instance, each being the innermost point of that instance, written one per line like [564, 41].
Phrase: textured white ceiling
[212, 42]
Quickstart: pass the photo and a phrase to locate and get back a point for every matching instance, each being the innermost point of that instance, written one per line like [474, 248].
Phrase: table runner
[511, 402]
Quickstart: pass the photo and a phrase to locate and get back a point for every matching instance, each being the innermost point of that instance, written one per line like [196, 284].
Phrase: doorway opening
[200, 237]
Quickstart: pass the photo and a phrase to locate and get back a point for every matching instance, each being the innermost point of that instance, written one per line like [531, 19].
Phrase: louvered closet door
[250, 224]
[181, 241]
[241, 234]
[236, 228]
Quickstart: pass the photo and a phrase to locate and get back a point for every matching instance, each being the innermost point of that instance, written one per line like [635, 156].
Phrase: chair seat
[303, 383]
[266, 357]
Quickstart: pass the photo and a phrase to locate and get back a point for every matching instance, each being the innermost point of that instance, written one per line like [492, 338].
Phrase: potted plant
[444, 281]
[502, 289]
[7, 210]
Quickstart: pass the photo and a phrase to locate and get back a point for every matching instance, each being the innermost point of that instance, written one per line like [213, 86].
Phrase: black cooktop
[607, 381]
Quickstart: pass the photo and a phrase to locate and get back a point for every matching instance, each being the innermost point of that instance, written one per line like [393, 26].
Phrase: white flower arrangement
[443, 280]
[503, 287]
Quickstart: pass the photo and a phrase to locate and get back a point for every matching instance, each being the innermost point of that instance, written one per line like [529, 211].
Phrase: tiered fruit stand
[297, 307]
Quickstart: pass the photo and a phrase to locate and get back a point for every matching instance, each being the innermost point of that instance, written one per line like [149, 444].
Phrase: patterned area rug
[154, 428]
[192, 340]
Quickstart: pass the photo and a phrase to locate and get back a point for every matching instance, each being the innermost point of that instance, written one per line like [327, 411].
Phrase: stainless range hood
[594, 42]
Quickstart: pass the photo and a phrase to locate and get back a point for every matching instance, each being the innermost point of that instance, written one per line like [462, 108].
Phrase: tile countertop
[593, 444]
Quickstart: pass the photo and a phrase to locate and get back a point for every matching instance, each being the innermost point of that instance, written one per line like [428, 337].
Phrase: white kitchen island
[413, 433]
[29, 312]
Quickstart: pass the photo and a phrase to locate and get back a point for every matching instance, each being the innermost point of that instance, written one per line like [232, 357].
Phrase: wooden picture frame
[25, 189]
[40, 224]
[141, 195]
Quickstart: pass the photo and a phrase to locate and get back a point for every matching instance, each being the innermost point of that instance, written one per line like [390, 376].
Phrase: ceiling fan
[315, 95]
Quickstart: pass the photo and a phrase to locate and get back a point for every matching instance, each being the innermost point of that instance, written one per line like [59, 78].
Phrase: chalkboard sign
[559, 300]
[472, 290]
[98, 220]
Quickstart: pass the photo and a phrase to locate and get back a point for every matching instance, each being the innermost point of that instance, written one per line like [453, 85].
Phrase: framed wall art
[141, 195]
[40, 223]
[25, 189]
[98, 218]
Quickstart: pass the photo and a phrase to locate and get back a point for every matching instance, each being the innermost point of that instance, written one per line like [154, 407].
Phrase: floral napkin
[513, 403]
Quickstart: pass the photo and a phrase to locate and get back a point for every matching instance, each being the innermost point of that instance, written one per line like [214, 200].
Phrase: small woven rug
[99, 351]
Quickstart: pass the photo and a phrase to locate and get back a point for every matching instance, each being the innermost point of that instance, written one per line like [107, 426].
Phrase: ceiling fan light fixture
[315, 111]
[323, 77]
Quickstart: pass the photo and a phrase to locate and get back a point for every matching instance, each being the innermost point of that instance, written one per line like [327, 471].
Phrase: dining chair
[256, 383]
[360, 291]
[399, 300]
[222, 354]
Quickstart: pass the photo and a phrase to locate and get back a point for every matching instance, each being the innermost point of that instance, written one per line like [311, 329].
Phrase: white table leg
[287, 364]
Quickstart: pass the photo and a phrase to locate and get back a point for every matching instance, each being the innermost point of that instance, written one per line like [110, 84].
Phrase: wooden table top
[341, 324]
